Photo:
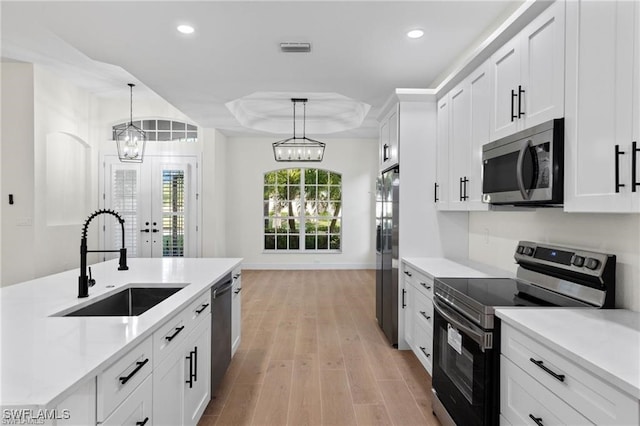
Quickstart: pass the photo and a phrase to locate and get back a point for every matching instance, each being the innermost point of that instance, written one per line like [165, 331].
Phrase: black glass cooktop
[493, 292]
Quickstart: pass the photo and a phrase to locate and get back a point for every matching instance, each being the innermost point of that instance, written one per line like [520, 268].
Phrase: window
[163, 130]
[302, 210]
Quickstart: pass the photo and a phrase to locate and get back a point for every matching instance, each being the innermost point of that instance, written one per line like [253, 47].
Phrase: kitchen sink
[129, 302]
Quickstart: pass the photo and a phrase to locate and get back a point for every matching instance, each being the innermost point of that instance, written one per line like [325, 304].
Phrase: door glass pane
[124, 200]
[173, 216]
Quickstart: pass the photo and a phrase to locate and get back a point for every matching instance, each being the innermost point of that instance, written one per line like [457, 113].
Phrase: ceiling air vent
[295, 47]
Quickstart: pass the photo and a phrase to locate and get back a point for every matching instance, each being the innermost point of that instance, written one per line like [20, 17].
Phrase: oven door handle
[519, 169]
[481, 337]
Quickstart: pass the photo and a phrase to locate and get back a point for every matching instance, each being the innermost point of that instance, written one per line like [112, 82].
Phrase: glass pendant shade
[298, 148]
[131, 140]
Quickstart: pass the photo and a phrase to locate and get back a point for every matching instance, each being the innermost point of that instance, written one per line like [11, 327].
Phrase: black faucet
[85, 282]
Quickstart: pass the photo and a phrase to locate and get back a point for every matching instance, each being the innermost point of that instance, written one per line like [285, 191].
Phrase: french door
[158, 201]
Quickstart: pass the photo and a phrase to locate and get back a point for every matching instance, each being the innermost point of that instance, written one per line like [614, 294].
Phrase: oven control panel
[582, 261]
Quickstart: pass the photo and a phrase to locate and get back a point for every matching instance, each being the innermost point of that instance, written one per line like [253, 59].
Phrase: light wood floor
[312, 354]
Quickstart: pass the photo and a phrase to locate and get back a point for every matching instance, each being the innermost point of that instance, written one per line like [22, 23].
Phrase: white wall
[214, 193]
[247, 161]
[493, 237]
[17, 172]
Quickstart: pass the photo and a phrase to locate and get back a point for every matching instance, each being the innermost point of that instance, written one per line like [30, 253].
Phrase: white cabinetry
[181, 380]
[602, 107]
[135, 409]
[236, 310]
[537, 382]
[417, 305]
[79, 408]
[528, 75]
[441, 186]
[465, 115]
[118, 382]
[389, 145]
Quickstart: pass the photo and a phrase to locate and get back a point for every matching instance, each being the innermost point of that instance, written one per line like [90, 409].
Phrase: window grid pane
[163, 130]
[302, 210]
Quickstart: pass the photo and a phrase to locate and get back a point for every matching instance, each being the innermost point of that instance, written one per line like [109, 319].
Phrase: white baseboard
[302, 266]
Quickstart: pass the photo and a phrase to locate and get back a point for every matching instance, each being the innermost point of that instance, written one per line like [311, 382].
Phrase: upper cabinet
[463, 127]
[389, 145]
[602, 107]
[528, 75]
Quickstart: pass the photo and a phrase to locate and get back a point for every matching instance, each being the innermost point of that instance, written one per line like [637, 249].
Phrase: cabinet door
[236, 311]
[459, 137]
[599, 97]
[542, 79]
[394, 139]
[480, 97]
[441, 186]
[135, 409]
[505, 64]
[385, 148]
[168, 381]
[197, 373]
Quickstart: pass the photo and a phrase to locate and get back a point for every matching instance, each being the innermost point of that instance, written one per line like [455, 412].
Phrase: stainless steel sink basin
[129, 302]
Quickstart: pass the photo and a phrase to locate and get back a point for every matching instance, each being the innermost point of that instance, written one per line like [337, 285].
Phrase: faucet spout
[83, 279]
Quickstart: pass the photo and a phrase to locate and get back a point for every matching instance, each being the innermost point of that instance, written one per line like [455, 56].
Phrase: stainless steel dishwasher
[220, 330]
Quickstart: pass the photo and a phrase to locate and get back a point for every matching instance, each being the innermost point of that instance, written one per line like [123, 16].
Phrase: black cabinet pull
[154, 230]
[537, 420]
[142, 423]
[407, 273]
[145, 230]
[201, 310]
[178, 330]
[520, 93]
[513, 96]
[195, 364]
[139, 365]
[424, 351]
[428, 287]
[238, 290]
[190, 380]
[435, 192]
[403, 293]
[617, 159]
[634, 166]
[546, 369]
[460, 189]
[385, 152]
[464, 188]
[236, 276]
[424, 314]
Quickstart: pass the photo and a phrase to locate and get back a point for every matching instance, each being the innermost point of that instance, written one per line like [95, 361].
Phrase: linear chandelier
[131, 140]
[299, 148]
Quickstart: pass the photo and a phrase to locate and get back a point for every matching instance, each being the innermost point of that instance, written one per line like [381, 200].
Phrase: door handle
[513, 96]
[617, 168]
[145, 230]
[435, 192]
[520, 93]
[519, 170]
[403, 293]
[634, 165]
[154, 230]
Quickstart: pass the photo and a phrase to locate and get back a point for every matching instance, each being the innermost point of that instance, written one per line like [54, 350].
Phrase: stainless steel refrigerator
[387, 209]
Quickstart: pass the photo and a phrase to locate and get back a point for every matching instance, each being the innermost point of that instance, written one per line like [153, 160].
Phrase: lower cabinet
[538, 385]
[181, 382]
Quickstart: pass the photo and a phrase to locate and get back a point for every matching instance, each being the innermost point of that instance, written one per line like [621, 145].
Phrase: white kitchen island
[45, 358]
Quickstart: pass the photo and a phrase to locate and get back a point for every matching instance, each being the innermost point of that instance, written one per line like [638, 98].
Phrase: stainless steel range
[466, 334]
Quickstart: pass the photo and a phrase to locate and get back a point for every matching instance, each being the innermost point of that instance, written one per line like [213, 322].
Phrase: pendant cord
[304, 120]
[131, 103]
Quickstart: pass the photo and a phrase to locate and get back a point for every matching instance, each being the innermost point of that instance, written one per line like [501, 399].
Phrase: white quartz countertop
[43, 357]
[443, 267]
[605, 342]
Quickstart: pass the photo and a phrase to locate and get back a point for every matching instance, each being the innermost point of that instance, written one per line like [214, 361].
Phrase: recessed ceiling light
[185, 29]
[415, 33]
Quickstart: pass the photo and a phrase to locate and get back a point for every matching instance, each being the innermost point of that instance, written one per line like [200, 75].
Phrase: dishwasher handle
[222, 289]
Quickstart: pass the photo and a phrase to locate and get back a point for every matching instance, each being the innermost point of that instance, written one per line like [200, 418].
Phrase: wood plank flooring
[312, 354]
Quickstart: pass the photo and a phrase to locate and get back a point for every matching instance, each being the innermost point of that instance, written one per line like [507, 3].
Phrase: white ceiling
[359, 48]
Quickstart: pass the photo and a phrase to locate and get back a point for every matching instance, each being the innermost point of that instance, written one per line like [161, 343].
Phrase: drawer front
[198, 310]
[119, 380]
[423, 310]
[169, 336]
[597, 400]
[422, 345]
[525, 401]
[420, 280]
[136, 409]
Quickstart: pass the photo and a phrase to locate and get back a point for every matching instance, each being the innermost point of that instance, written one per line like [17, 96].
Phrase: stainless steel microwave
[525, 168]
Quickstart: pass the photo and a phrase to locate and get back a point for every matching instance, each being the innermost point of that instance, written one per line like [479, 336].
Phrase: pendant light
[131, 140]
[299, 148]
